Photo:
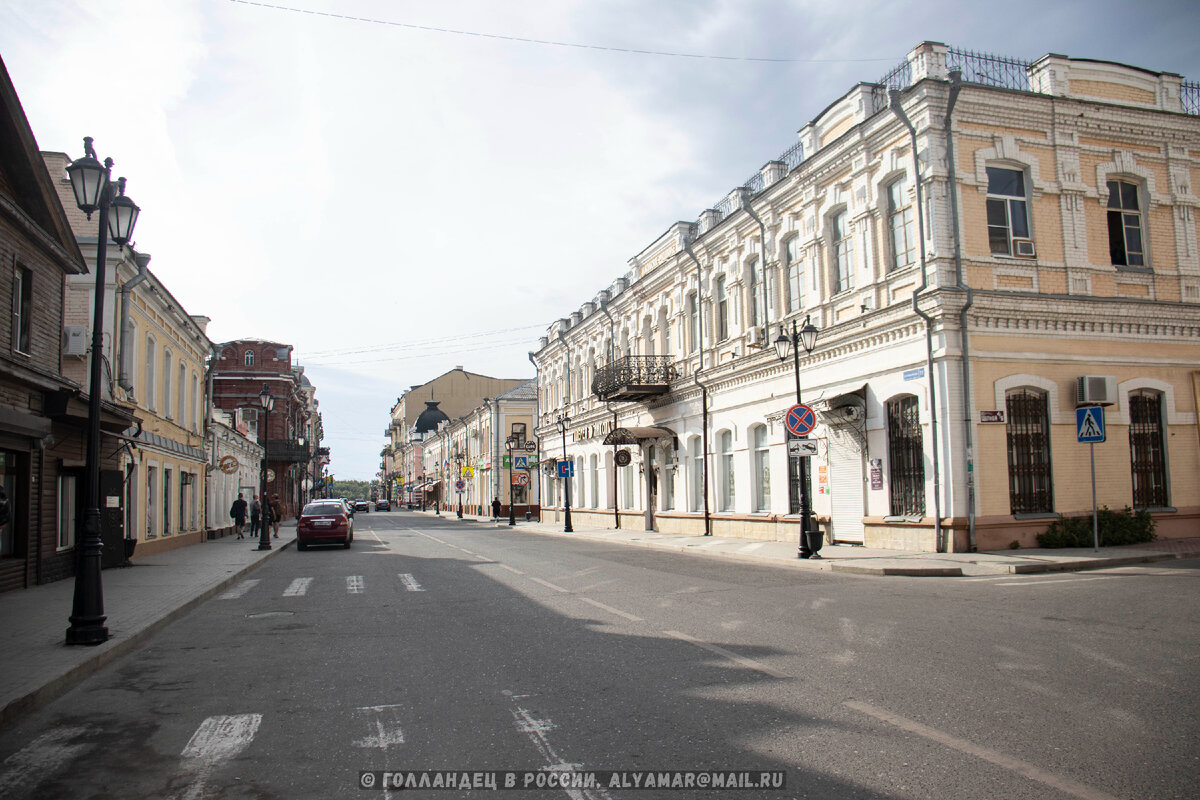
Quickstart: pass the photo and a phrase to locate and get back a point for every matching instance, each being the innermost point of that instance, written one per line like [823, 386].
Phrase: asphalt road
[435, 644]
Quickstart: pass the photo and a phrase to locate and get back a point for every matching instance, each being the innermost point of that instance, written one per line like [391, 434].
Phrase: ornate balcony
[634, 378]
[286, 450]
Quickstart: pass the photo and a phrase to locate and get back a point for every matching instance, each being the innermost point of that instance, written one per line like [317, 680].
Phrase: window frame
[904, 215]
[721, 294]
[68, 510]
[1148, 450]
[248, 358]
[1008, 201]
[760, 460]
[1029, 456]
[22, 310]
[841, 239]
[794, 266]
[906, 456]
[1123, 214]
[728, 485]
[168, 411]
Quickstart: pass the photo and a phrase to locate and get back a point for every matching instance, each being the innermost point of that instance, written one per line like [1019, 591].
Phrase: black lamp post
[91, 182]
[264, 534]
[458, 459]
[563, 420]
[509, 444]
[785, 344]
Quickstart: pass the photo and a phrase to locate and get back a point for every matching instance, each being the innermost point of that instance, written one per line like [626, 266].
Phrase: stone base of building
[150, 547]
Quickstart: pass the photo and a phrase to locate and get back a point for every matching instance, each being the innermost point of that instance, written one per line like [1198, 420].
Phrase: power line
[551, 42]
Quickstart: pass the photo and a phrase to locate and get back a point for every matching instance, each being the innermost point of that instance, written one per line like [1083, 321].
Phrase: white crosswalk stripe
[235, 592]
[410, 583]
[298, 587]
[354, 584]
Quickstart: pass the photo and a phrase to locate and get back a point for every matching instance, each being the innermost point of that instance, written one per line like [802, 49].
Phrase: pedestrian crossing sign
[1089, 424]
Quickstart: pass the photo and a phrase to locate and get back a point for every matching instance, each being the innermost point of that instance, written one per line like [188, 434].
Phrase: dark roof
[522, 391]
[430, 418]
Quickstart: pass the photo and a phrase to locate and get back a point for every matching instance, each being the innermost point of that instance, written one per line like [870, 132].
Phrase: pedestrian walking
[255, 515]
[276, 513]
[266, 519]
[495, 508]
[238, 512]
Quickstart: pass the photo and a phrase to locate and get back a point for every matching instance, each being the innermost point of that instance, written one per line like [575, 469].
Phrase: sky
[397, 188]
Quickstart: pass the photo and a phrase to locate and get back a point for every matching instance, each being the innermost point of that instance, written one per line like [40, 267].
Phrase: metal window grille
[906, 457]
[1029, 453]
[1146, 451]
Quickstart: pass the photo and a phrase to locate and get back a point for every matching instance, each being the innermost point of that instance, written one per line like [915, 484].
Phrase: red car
[324, 522]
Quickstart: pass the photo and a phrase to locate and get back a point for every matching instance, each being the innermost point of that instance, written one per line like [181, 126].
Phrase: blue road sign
[1089, 424]
[800, 420]
[566, 469]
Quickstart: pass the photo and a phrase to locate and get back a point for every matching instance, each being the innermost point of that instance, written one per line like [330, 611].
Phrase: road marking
[610, 609]
[748, 663]
[384, 728]
[750, 548]
[548, 584]
[1047, 581]
[510, 569]
[354, 584]
[235, 592]
[1065, 785]
[218, 739]
[410, 583]
[40, 759]
[298, 587]
[537, 730]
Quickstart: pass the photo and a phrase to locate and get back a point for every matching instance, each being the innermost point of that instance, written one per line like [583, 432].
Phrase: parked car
[324, 522]
[362, 505]
[383, 504]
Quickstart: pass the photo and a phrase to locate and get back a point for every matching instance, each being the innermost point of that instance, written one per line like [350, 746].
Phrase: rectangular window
[518, 433]
[167, 409]
[722, 310]
[900, 220]
[693, 323]
[22, 332]
[1146, 450]
[181, 414]
[1028, 429]
[755, 276]
[68, 510]
[762, 469]
[1124, 225]
[151, 375]
[794, 254]
[843, 254]
[151, 502]
[166, 502]
[183, 506]
[1007, 209]
[696, 475]
[906, 457]
[728, 486]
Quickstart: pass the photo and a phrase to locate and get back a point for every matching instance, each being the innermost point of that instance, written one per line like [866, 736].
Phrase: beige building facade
[983, 244]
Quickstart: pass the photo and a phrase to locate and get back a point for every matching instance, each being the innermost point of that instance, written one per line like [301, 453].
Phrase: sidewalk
[138, 601]
[868, 561]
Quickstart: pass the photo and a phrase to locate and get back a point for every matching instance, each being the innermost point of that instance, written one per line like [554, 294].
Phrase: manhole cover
[262, 614]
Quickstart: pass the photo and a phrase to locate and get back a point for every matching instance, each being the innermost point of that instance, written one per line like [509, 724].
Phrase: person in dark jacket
[255, 515]
[495, 508]
[238, 512]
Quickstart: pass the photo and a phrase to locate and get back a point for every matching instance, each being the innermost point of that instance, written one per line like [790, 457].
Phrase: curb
[1099, 563]
[60, 684]
[911, 572]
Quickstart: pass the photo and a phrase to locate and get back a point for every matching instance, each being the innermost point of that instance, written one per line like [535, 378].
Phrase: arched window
[594, 479]
[248, 358]
[906, 457]
[760, 458]
[1147, 449]
[151, 373]
[667, 488]
[725, 450]
[168, 409]
[181, 414]
[1028, 429]
[843, 253]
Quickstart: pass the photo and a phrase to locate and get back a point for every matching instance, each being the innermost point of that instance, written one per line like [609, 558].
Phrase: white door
[846, 484]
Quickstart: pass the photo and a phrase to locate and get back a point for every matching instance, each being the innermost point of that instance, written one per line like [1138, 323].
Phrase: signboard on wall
[876, 470]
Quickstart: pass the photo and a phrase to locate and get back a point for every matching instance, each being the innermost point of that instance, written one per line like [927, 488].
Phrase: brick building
[240, 371]
[43, 416]
[983, 244]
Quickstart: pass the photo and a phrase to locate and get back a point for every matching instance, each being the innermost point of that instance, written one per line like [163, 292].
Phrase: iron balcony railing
[634, 378]
[286, 450]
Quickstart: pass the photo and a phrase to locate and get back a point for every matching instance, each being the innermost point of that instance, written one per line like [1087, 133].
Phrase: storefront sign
[876, 469]
[991, 417]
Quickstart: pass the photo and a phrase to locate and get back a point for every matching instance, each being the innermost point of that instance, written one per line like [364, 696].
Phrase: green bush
[1116, 528]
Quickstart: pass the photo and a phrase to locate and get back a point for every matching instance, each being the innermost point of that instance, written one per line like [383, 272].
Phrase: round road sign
[800, 420]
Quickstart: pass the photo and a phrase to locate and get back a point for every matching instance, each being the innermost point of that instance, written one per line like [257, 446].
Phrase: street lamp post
[563, 420]
[509, 444]
[267, 402]
[92, 185]
[458, 459]
[806, 337]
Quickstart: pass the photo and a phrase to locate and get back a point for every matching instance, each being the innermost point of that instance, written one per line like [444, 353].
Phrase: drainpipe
[687, 248]
[143, 261]
[964, 334]
[612, 342]
[762, 269]
[898, 110]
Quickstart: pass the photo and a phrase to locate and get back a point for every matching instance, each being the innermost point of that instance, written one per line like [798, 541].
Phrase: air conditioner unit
[1024, 248]
[755, 337]
[75, 340]
[1095, 390]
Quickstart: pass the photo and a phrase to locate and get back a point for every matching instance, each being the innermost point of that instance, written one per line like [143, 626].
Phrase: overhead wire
[551, 42]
